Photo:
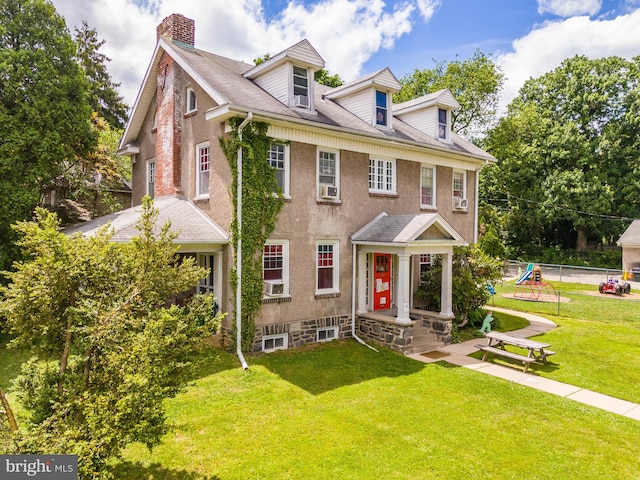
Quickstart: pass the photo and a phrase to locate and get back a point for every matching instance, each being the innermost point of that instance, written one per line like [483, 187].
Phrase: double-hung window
[301, 97]
[459, 184]
[427, 186]
[381, 108]
[443, 124]
[278, 158]
[425, 264]
[151, 177]
[203, 167]
[327, 267]
[382, 176]
[275, 267]
[328, 175]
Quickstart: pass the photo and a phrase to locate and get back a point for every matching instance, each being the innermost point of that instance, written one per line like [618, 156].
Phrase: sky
[525, 38]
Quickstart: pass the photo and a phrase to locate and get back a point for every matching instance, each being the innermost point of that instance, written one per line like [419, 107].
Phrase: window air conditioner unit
[327, 191]
[460, 202]
[301, 101]
[273, 288]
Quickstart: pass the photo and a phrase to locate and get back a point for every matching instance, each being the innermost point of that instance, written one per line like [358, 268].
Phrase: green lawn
[343, 411]
[597, 342]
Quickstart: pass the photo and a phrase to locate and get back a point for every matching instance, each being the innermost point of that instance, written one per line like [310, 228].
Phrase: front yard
[342, 411]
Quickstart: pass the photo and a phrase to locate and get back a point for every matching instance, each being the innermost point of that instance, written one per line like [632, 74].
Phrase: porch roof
[408, 230]
[191, 224]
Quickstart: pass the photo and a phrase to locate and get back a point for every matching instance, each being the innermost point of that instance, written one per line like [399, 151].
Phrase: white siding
[424, 120]
[361, 104]
[276, 82]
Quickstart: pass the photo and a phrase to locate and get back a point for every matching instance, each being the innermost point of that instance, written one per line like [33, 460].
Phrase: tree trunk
[13, 425]
[581, 244]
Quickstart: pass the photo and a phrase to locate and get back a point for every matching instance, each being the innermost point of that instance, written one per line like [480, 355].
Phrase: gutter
[245, 366]
[353, 299]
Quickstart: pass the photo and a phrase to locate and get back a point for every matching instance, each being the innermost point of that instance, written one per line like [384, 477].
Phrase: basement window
[271, 343]
[327, 333]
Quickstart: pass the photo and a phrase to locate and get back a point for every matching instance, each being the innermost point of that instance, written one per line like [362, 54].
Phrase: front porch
[425, 331]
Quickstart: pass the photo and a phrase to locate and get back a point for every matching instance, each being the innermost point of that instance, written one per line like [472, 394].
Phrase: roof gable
[441, 98]
[301, 54]
[382, 79]
[404, 229]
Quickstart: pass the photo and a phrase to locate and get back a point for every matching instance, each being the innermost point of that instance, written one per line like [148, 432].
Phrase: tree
[45, 119]
[103, 93]
[475, 82]
[568, 151]
[112, 345]
[473, 270]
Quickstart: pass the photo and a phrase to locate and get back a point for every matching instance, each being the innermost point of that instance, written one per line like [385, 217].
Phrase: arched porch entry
[387, 271]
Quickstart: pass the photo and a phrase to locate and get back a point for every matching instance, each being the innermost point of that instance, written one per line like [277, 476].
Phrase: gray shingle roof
[401, 229]
[631, 236]
[191, 224]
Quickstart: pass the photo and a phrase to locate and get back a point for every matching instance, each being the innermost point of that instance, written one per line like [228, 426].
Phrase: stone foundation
[303, 332]
[425, 328]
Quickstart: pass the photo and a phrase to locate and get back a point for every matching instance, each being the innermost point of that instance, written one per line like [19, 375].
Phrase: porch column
[362, 282]
[445, 293]
[404, 288]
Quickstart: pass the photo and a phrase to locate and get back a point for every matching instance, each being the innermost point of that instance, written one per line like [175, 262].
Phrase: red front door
[382, 281]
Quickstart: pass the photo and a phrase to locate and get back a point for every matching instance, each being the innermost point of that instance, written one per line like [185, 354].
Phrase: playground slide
[524, 277]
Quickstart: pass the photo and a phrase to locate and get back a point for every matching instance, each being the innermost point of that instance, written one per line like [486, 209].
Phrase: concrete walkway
[457, 354]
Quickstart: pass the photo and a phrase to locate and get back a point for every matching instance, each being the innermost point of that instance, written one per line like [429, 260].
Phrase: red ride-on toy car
[616, 287]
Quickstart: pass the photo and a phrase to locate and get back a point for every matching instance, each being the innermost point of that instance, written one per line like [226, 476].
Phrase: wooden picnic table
[496, 342]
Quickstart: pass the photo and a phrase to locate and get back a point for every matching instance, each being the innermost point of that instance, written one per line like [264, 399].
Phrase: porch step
[425, 343]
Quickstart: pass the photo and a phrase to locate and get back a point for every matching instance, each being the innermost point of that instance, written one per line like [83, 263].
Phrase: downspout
[245, 366]
[354, 285]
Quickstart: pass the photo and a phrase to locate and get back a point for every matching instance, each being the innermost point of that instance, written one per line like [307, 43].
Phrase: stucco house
[372, 189]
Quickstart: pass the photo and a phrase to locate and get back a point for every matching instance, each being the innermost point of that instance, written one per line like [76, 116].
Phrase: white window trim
[286, 191]
[447, 127]
[375, 109]
[464, 184]
[199, 146]
[285, 343]
[334, 329]
[190, 92]
[285, 265]
[434, 170]
[337, 174]
[394, 176]
[336, 267]
[310, 82]
[151, 161]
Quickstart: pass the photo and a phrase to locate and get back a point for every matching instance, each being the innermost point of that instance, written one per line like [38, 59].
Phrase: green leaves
[568, 150]
[112, 346]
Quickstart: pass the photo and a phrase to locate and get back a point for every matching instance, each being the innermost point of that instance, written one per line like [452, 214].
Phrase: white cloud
[547, 46]
[427, 8]
[569, 8]
[346, 33]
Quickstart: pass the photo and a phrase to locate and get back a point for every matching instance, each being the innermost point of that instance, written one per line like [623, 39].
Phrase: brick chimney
[170, 111]
[178, 28]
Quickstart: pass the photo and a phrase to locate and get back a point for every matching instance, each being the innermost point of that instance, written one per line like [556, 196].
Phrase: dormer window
[381, 108]
[192, 103]
[300, 87]
[443, 125]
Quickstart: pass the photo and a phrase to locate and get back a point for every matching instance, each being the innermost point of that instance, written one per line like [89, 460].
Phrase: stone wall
[303, 332]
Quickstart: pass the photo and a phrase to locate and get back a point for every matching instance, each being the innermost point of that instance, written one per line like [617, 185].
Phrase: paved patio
[457, 354]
